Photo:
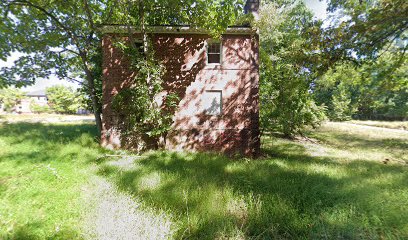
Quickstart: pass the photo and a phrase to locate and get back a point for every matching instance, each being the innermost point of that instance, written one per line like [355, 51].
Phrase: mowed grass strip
[403, 125]
[42, 170]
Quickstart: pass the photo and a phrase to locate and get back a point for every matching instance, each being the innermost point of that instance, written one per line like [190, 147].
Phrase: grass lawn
[385, 124]
[348, 183]
[45, 118]
[42, 171]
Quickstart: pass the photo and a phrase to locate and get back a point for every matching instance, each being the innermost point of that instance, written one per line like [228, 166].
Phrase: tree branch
[48, 14]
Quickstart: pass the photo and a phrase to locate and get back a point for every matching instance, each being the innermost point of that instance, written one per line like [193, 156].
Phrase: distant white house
[36, 97]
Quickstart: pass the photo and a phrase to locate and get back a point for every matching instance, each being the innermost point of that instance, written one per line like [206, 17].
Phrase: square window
[212, 102]
[139, 46]
[214, 52]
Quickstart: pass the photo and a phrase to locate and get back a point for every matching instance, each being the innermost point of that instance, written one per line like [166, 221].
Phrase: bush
[36, 108]
[64, 99]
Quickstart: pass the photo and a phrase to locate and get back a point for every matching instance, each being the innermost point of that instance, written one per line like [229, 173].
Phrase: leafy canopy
[287, 68]
[63, 99]
[368, 27]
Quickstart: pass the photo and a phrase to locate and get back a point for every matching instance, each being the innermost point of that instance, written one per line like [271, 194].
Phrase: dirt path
[116, 215]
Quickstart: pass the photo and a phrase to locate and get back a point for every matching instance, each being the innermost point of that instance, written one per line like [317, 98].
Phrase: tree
[366, 28]
[37, 108]
[10, 98]
[336, 89]
[287, 68]
[55, 37]
[63, 99]
[376, 89]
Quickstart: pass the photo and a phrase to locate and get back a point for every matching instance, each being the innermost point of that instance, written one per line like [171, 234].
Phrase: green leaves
[63, 99]
[375, 90]
[368, 27]
[287, 68]
[49, 34]
[10, 98]
[144, 108]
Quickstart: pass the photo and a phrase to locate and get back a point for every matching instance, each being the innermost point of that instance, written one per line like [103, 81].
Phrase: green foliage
[56, 38]
[342, 108]
[374, 90]
[96, 70]
[63, 99]
[37, 108]
[213, 15]
[51, 35]
[336, 90]
[145, 110]
[10, 98]
[367, 27]
[286, 68]
[286, 104]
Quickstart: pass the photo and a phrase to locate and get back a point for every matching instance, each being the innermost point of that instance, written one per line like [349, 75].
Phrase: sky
[317, 6]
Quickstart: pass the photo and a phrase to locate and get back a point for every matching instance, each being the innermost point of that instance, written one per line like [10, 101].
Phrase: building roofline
[174, 29]
[38, 93]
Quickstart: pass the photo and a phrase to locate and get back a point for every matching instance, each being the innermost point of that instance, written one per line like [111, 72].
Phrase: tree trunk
[91, 88]
[95, 106]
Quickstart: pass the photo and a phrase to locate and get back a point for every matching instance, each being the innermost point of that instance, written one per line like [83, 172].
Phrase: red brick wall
[236, 130]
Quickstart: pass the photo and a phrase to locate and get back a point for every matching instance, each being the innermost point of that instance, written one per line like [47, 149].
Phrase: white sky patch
[318, 7]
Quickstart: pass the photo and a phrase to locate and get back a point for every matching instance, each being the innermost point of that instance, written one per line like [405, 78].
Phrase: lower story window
[212, 102]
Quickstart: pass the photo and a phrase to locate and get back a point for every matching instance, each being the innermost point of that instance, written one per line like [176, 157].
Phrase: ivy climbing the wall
[144, 109]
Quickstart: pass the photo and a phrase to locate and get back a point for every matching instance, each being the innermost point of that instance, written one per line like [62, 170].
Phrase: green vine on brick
[144, 108]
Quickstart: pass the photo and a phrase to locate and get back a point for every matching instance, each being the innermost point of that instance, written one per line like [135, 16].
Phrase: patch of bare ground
[116, 215]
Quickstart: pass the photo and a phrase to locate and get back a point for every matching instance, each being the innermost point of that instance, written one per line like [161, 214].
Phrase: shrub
[37, 108]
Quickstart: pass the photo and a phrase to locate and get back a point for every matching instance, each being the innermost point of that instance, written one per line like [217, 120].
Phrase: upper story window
[214, 52]
[139, 46]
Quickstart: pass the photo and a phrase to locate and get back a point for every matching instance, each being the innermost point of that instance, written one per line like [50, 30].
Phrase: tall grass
[340, 186]
[42, 170]
[297, 190]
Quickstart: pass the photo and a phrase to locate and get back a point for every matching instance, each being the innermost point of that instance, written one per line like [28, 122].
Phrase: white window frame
[212, 41]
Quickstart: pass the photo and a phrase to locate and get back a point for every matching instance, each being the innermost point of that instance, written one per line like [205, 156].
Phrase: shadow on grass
[45, 133]
[30, 232]
[288, 194]
[41, 142]
[39, 163]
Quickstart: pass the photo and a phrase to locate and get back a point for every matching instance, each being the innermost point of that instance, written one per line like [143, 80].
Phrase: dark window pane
[214, 58]
[139, 46]
[214, 48]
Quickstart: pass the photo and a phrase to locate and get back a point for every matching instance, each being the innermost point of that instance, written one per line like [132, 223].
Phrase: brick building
[216, 80]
